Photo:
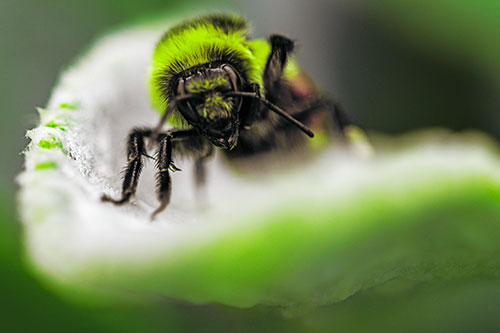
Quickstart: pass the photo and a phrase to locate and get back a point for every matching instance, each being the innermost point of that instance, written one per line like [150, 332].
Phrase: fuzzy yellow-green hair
[214, 104]
[210, 38]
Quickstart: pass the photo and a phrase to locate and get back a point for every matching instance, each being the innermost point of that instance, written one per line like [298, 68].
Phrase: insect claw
[124, 199]
[173, 168]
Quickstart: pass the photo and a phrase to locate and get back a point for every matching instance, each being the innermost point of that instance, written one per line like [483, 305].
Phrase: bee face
[212, 113]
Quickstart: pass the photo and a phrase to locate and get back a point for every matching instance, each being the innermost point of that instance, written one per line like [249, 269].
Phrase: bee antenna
[273, 108]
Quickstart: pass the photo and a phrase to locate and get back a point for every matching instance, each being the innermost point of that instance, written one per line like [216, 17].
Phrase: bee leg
[281, 47]
[352, 134]
[136, 149]
[199, 170]
[165, 164]
[341, 119]
[349, 132]
[163, 180]
[338, 120]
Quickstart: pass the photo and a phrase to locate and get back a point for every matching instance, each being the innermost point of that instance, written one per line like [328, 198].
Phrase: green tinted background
[394, 65]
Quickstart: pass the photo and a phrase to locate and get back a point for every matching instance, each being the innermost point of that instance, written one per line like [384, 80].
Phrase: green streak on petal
[46, 165]
[70, 106]
[50, 143]
[53, 124]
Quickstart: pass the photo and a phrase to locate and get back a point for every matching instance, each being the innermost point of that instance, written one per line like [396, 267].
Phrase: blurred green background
[394, 65]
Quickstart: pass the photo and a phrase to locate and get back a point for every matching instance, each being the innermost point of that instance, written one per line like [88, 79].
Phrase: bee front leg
[164, 163]
[163, 179]
[136, 149]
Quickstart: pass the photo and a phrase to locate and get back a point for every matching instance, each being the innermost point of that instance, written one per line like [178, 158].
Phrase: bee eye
[185, 107]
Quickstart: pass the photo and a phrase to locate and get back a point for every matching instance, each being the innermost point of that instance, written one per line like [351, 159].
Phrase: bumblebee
[217, 87]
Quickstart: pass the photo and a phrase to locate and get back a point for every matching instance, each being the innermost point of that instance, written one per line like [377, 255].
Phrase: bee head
[211, 112]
